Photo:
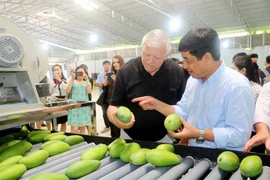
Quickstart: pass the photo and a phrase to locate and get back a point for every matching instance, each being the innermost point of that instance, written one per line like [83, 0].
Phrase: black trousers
[115, 131]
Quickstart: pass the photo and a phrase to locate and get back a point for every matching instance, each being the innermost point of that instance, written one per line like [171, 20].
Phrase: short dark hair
[268, 59]
[106, 62]
[239, 54]
[199, 41]
[253, 55]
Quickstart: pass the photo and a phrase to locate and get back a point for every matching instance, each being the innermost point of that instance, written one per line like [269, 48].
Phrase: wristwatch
[200, 139]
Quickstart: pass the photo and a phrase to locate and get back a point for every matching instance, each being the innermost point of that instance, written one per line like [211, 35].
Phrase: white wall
[227, 54]
[95, 66]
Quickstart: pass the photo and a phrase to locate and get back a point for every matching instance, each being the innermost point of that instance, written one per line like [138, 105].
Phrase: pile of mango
[13, 148]
[251, 166]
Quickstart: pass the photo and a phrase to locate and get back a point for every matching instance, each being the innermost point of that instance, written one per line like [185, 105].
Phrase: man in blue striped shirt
[217, 107]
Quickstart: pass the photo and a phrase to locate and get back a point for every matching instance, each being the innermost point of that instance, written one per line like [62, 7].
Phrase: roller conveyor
[197, 163]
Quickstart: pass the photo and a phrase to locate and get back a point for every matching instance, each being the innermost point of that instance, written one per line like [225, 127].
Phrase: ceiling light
[259, 32]
[225, 44]
[82, 2]
[174, 24]
[93, 38]
[45, 46]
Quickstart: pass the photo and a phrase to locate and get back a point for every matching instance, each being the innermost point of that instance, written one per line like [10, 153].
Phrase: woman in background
[58, 92]
[244, 65]
[79, 118]
[117, 62]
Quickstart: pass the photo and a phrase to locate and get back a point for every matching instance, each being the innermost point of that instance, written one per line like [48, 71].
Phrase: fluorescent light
[93, 38]
[56, 45]
[225, 44]
[45, 46]
[81, 2]
[174, 24]
[260, 32]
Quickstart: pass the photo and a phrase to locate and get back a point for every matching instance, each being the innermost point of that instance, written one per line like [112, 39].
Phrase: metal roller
[198, 171]
[136, 174]
[177, 171]
[216, 174]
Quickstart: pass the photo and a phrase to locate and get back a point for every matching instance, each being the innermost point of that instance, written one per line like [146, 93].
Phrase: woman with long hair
[245, 66]
[79, 118]
[117, 62]
[58, 92]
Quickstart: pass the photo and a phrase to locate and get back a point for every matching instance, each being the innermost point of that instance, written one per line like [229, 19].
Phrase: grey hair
[156, 38]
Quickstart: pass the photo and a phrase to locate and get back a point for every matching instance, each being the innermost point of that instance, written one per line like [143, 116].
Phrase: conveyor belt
[115, 169]
[198, 163]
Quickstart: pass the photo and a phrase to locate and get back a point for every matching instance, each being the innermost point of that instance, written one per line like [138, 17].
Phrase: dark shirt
[262, 75]
[167, 85]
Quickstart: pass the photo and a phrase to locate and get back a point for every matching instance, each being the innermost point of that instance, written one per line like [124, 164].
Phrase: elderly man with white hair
[151, 74]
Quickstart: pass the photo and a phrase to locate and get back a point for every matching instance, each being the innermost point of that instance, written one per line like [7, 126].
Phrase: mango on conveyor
[118, 140]
[95, 153]
[47, 143]
[161, 158]
[228, 161]
[11, 160]
[59, 137]
[82, 168]
[8, 144]
[49, 176]
[56, 147]
[129, 149]
[37, 138]
[16, 149]
[6, 139]
[31, 133]
[73, 139]
[46, 138]
[34, 159]
[168, 147]
[138, 158]
[14, 171]
[251, 166]
[116, 150]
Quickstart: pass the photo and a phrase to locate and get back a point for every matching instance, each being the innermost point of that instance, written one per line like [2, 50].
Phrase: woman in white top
[58, 91]
[244, 65]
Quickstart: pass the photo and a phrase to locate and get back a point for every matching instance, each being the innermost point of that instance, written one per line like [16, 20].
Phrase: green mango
[56, 147]
[138, 158]
[116, 150]
[118, 140]
[74, 139]
[82, 168]
[16, 149]
[49, 176]
[14, 171]
[168, 147]
[17, 135]
[6, 139]
[95, 153]
[8, 144]
[34, 159]
[30, 134]
[46, 138]
[129, 149]
[47, 143]
[251, 166]
[161, 158]
[228, 161]
[37, 138]
[11, 160]
[27, 146]
[59, 137]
